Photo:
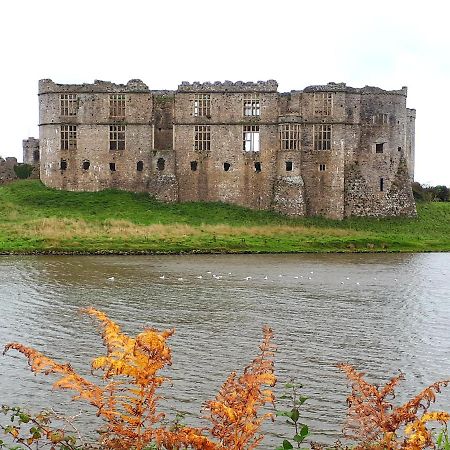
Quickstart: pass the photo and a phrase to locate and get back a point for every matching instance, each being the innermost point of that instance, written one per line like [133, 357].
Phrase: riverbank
[35, 219]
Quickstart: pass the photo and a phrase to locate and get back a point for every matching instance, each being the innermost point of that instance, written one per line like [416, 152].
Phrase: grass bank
[34, 218]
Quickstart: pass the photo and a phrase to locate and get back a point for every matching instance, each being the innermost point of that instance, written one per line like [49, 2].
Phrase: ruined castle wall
[410, 151]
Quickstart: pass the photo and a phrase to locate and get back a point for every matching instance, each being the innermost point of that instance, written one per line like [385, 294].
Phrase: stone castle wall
[365, 168]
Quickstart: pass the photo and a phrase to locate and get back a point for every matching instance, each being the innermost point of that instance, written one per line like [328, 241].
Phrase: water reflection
[379, 312]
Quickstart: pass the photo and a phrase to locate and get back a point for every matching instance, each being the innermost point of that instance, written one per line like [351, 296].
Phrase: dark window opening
[161, 164]
[112, 167]
[322, 167]
[226, 166]
[194, 165]
[63, 164]
[257, 167]
[140, 166]
[399, 149]
[381, 184]
[289, 166]
[36, 155]
[379, 148]
[86, 165]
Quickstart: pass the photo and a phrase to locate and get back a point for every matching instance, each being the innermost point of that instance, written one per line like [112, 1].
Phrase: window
[140, 166]
[112, 167]
[194, 165]
[399, 149]
[322, 137]
[202, 138]
[69, 104]
[289, 166]
[86, 165]
[257, 167]
[36, 155]
[322, 167]
[380, 119]
[117, 137]
[226, 166]
[251, 138]
[63, 164]
[323, 103]
[381, 184]
[202, 105]
[251, 105]
[160, 164]
[289, 136]
[68, 137]
[117, 106]
[379, 148]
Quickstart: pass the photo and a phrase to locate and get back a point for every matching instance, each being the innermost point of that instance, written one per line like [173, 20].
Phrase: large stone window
[68, 137]
[322, 137]
[289, 136]
[117, 137]
[250, 138]
[117, 106]
[252, 106]
[323, 103]
[202, 138]
[380, 119]
[68, 104]
[202, 105]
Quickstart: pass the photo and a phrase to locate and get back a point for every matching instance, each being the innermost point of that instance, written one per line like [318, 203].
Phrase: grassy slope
[34, 218]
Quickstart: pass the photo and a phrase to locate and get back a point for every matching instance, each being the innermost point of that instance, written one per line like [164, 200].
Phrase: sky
[388, 44]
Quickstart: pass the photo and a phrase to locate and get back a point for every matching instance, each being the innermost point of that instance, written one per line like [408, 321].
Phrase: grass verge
[36, 219]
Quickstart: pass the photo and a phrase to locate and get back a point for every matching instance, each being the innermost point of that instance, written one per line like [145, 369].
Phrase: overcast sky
[381, 43]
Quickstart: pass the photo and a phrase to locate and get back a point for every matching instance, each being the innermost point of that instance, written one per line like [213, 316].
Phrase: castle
[329, 150]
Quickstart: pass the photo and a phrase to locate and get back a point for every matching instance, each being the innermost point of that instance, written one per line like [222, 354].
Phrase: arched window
[86, 165]
[161, 164]
[140, 166]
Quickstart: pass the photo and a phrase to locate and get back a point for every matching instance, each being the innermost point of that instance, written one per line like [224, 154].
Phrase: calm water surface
[380, 313]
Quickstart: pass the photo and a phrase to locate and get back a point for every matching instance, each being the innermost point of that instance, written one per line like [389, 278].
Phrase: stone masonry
[330, 150]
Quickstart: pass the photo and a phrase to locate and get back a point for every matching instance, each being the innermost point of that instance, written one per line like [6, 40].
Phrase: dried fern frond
[374, 421]
[234, 412]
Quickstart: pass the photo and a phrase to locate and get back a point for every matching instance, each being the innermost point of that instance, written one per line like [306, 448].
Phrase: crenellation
[329, 150]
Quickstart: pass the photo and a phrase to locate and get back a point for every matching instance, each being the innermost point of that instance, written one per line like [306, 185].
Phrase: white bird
[357, 283]
[248, 278]
[296, 278]
[180, 279]
[162, 277]
[229, 273]
[208, 271]
[265, 277]
[111, 279]
[342, 282]
[199, 277]
[280, 275]
[347, 278]
[311, 272]
[309, 278]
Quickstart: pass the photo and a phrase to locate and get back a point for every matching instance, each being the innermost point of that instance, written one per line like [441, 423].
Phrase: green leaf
[300, 437]
[294, 414]
[289, 385]
[287, 445]
[302, 399]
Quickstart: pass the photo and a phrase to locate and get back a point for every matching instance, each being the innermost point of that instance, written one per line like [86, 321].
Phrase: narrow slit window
[161, 164]
[202, 138]
[251, 138]
[63, 164]
[289, 136]
[194, 165]
[289, 166]
[257, 166]
[117, 137]
[252, 106]
[202, 105]
[112, 167]
[226, 166]
[68, 137]
[117, 106]
[322, 167]
[140, 166]
[381, 184]
[69, 104]
[322, 137]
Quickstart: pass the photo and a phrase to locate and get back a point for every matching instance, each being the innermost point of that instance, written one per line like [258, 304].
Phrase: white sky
[382, 43]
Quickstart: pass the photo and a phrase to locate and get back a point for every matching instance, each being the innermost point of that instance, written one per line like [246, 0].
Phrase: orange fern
[234, 412]
[374, 421]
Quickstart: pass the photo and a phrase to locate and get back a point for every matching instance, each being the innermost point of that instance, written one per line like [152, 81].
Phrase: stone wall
[361, 172]
[7, 173]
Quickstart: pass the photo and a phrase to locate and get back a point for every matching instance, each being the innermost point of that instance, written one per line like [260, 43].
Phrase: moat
[379, 312]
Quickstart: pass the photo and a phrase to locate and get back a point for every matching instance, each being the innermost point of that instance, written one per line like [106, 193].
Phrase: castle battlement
[229, 86]
[47, 86]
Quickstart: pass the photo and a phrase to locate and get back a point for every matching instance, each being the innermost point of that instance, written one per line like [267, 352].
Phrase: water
[380, 313]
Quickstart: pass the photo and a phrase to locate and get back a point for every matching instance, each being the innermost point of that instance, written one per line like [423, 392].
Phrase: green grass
[34, 218]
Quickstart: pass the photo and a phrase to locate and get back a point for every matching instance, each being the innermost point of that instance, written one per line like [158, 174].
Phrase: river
[379, 312]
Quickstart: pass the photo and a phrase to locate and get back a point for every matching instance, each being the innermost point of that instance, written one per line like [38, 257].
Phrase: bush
[23, 171]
